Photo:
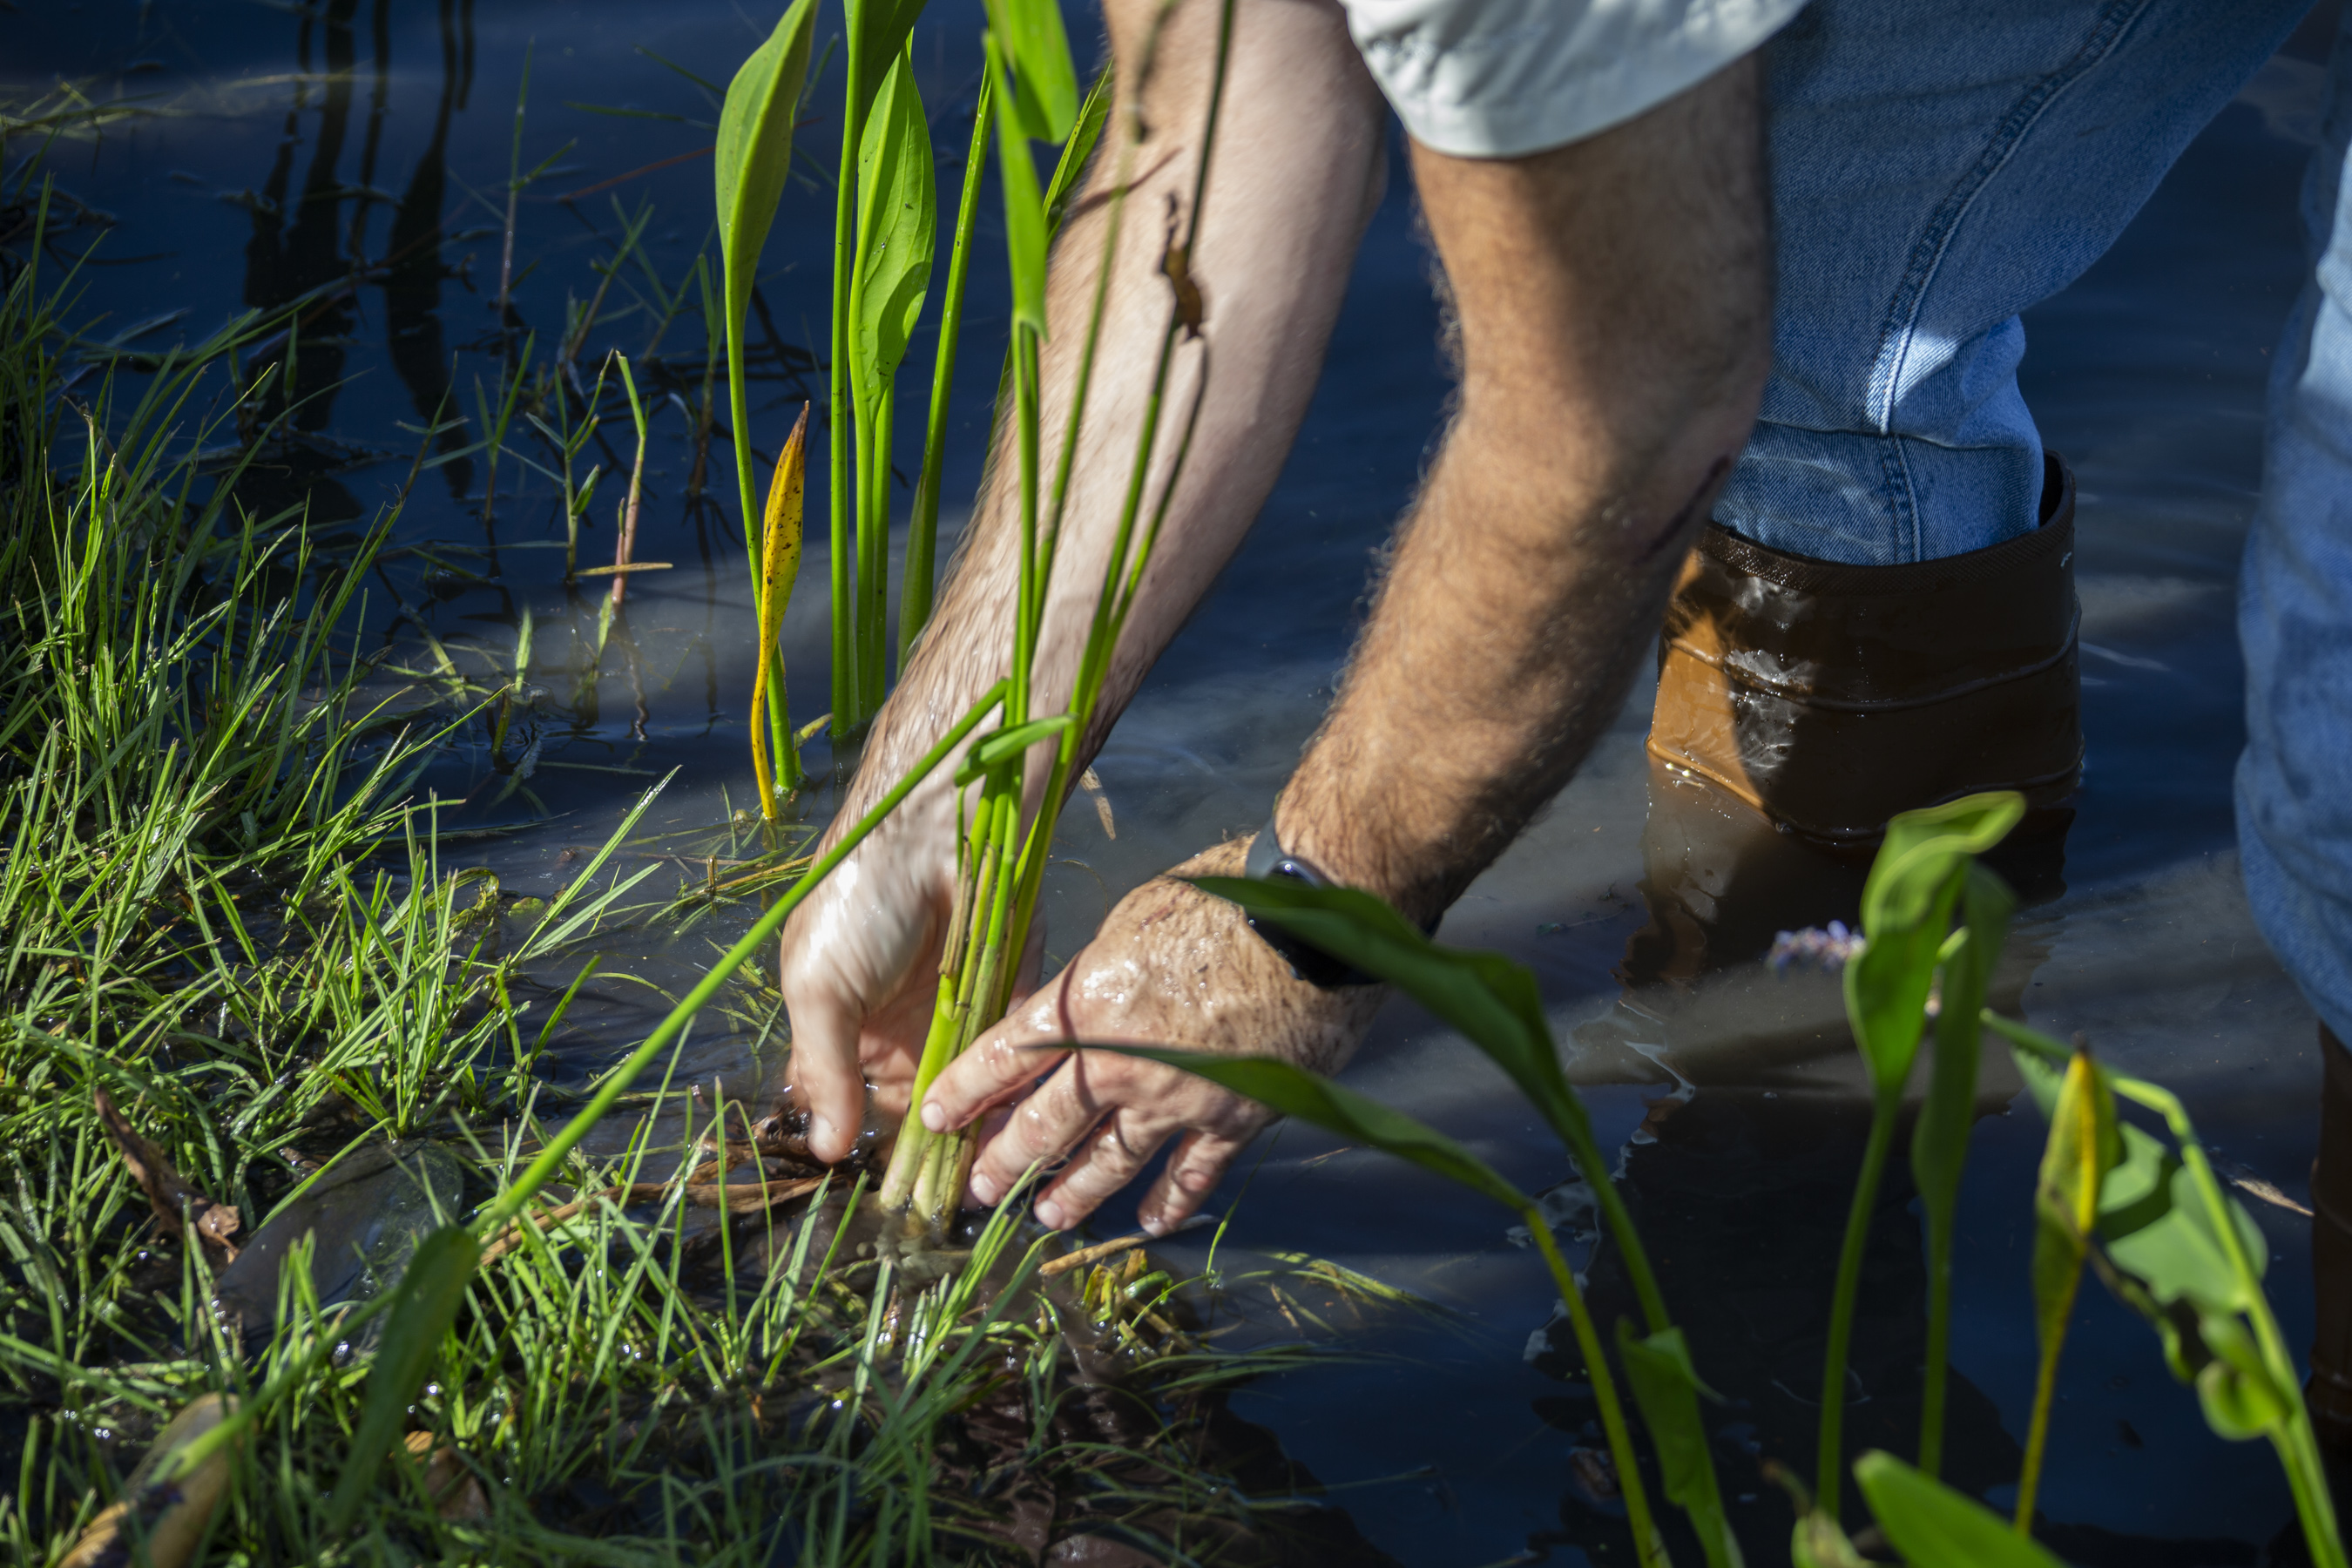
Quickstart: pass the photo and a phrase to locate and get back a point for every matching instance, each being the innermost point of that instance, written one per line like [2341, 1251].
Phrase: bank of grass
[222, 906]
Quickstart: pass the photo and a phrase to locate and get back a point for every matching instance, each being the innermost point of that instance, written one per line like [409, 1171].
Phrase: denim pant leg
[1938, 166]
[2294, 610]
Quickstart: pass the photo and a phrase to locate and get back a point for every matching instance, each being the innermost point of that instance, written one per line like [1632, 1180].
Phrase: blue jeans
[1939, 166]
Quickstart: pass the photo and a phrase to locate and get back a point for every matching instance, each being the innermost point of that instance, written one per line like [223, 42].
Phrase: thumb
[824, 1069]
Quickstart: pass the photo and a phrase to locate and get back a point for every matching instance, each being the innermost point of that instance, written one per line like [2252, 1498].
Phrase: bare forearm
[1295, 175]
[1604, 398]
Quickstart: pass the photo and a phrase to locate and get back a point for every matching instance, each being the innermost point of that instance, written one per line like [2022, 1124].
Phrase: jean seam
[1897, 335]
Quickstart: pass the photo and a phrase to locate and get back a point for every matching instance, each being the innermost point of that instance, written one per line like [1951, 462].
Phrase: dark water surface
[359, 152]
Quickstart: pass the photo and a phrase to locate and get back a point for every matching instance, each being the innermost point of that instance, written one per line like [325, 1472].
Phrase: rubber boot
[1831, 697]
[2329, 1394]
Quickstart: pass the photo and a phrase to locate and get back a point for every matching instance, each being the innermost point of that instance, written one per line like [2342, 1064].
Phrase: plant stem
[841, 486]
[1647, 1547]
[1829, 1457]
[923, 527]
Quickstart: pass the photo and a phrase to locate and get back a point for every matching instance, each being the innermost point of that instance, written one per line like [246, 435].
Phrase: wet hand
[1170, 966]
[859, 969]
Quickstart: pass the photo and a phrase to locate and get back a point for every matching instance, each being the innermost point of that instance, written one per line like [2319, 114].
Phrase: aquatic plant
[240, 944]
[2153, 1220]
[751, 160]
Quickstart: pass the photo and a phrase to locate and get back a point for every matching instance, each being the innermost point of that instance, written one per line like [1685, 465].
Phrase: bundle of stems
[1002, 848]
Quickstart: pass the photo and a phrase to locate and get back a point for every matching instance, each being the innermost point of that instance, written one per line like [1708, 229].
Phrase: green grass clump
[224, 907]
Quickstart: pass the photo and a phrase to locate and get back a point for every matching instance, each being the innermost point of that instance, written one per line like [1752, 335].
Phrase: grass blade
[418, 1319]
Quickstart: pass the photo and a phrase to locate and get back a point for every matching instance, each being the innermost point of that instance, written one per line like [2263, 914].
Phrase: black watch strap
[1307, 961]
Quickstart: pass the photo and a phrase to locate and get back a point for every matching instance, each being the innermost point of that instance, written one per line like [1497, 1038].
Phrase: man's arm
[1614, 301]
[1297, 174]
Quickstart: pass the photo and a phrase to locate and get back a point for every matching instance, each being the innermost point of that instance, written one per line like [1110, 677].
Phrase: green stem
[2045, 1392]
[923, 527]
[1939, 1343]
[1647, 1547]
[1827, 1462]
[839, 414]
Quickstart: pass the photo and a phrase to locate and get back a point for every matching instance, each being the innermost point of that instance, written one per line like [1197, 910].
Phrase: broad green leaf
[1024, 212]
[1080, 147]
[1295, 1091]
[755, 153]
[998, 745]
[1933, 1526]
[897, 230]
[1042, 96]
[415, 1325]
[884, 25]
[1907, 913]
[1493, 1001]
[2239, 1397]
[1666, 1387]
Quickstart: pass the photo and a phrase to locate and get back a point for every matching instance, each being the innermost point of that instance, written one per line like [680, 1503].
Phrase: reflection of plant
[2152, 1220]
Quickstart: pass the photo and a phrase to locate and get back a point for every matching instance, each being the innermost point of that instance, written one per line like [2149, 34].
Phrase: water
[1452, 1448]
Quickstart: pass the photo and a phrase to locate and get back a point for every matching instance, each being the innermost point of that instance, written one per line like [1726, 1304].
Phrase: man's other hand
[1170, 966]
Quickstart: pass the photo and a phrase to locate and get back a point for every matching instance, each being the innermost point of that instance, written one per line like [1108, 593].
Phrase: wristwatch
[1266, 859]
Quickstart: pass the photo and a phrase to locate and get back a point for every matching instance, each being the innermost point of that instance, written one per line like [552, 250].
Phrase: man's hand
[860, 964]
[1304, 127]
[1172, 966]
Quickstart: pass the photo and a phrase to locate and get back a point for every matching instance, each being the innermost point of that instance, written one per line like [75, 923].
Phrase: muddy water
[287, 144]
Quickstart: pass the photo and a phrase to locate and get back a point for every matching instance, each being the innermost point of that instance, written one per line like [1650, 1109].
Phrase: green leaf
[998, 745]
[1080, 147]
[1933, 1526]
[754, 153]
[1024, 212]
[897, 231]
[1295, 1091]
[1906, 912]
[885, 25]
[1666, 1387]
[2156, 1229]
[1939, 1141]
[2160, 1255]
[1494, 1002]
[425, 1305]
[2239, 1397]
[1939, 1144]
[2082, 1147]
[1818, 1542]
[1043, 90]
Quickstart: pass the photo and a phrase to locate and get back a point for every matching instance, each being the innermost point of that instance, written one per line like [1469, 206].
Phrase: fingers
[1112, 1155]
[1111, 1114]
[996, 1065]
[1042, 1127]
[824, 1070]
[1193, 1172]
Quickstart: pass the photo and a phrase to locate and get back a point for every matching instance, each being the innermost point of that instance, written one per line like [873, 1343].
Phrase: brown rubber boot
[2329, 1394]
[1831, 697]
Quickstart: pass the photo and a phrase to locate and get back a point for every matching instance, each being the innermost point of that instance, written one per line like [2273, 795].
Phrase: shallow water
[1453, 1449]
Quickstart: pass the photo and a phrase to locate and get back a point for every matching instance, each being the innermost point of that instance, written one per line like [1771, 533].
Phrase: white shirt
[1497, 78]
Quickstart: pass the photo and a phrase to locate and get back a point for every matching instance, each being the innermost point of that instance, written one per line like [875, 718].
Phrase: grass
[227, 907]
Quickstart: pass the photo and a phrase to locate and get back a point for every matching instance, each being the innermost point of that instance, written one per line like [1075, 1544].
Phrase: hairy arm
[1614, 304]
[1297, 171]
